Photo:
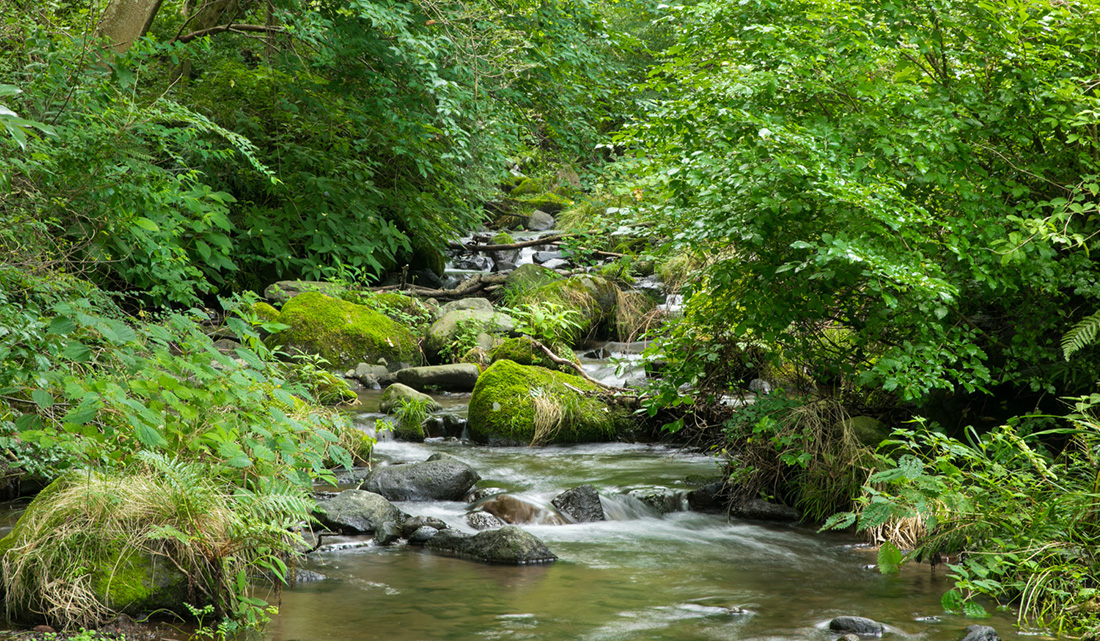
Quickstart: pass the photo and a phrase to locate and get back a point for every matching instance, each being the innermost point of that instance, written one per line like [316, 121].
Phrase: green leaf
[890, 558]
[42, 398]
[149, 435]
[145, 223]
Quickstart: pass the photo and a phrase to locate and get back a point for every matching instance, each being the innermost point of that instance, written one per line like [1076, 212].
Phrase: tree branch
[237, 28]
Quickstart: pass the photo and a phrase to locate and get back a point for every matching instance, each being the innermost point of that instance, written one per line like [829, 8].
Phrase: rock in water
[483, 521]
[426, 481]
[580, 504]
[981, 633]
[862, 626]
[508, 545]
[457, 377]
[397, 392]
[540, 221]
[356, 512]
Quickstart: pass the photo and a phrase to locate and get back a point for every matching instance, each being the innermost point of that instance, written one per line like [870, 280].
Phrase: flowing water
[639, 575]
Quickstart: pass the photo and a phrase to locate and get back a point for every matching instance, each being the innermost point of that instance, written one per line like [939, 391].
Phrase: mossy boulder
[524, 351]
[591, 298]
[529, 276]
[265, 312]
[70, 546]
[406, 310]
[343, 333]
[283, 290]
[521, 404]
[529, 187]
[459, 330]
[398, 392]
[548, 202]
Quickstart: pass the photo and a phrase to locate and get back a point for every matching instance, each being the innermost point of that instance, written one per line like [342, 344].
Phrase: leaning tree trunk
[124, 21]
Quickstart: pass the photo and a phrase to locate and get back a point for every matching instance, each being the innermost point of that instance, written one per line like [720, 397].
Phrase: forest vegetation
[885, 208]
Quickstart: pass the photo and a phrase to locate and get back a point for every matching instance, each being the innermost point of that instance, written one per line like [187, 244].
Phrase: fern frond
[1081, 335]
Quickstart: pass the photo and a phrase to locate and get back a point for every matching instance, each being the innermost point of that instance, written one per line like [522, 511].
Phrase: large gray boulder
[540, 221]
[580, 504]
[479, 304]
[861, 626]
[458, 377]
[425, 481]
[357, 512]
[397, 392]
[507, 545]
[444, 332]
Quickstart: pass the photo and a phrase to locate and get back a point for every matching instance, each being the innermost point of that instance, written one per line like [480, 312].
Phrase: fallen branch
[558, 360]
[467, 287]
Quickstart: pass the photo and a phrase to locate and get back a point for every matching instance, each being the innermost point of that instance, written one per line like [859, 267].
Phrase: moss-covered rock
[548, 202]
[265, 312]
[458, 331]
[283, 290]
[592, 299]
[529, 187]
[524, 351]
[520, 404]
[398, 392]
[527, 277]
[344, 333]
[502, 238]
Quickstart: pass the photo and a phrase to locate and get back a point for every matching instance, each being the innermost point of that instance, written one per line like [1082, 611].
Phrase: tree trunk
[124, 21]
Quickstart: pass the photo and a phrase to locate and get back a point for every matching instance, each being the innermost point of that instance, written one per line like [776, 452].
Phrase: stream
[639, 575]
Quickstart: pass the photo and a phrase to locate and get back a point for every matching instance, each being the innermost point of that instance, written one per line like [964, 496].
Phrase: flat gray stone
[507, 545]
[458, 377]
[861, 626]
[357, 512]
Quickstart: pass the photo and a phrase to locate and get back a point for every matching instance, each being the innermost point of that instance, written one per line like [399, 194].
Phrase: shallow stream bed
[640, 575]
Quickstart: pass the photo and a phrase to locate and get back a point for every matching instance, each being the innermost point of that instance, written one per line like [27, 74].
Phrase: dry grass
[91, 535]
[548, 416]
[635, 314]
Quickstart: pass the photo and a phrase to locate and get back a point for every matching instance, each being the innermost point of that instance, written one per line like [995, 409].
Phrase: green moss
[332, 390]
[523, 350]
[527, 277]
[592, 297]
[265, 312]
[502, 238]
[344, 333]
[548, 202]
[503, 406]
[529, 186]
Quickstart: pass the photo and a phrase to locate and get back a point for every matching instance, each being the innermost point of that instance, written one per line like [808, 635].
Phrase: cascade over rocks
[357, 512]
[580, 504]
[425, 481]
[507, 545]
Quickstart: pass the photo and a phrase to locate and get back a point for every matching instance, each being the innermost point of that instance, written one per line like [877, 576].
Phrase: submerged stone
[357, 512]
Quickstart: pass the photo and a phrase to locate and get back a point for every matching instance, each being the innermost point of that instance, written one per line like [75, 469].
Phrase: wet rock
[580, 504]
[397, 392]
[707, 498]
[542, 257]
[483, 521]
[473, 262]
[661, 499]
[761, 510]
[387, 533]
[981, 633]
[507, 545]
[556, 264]
[512, 509]
[458, 377]
[413, 524]
[422, 534]
[426, 481]
[861, 626]
[445, 425]
[369, 376]
[849, 637]
[357, 512]
[298, 575]
[540, 221]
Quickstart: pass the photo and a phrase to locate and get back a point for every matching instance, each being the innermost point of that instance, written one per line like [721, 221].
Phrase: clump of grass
[92, 544]
[635, 314]
[548, 418]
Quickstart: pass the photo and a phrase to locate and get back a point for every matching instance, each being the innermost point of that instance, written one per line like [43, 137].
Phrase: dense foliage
[895, 194]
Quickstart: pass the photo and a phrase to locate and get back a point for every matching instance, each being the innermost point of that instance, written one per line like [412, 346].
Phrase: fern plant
[1081, 335]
